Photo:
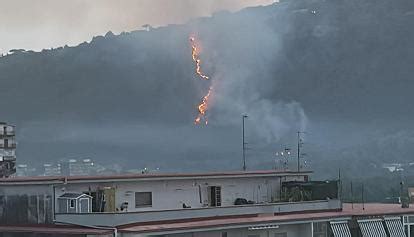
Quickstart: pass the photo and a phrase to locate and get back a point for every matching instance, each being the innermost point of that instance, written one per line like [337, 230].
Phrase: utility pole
[300, 143]
[352, 197]
[363, 201]
[244, 144]
[339, 184]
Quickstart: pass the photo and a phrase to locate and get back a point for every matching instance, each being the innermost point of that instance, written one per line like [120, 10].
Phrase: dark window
[223, 234]
[72, 203]
[143, 199]
[215, 196]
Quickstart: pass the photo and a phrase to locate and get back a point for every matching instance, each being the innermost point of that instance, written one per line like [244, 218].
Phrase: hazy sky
[41, 24]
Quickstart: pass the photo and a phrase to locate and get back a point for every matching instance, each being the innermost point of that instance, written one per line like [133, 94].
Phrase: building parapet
[123, 218]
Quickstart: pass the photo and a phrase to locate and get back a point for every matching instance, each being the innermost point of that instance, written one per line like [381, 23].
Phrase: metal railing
[9, 146]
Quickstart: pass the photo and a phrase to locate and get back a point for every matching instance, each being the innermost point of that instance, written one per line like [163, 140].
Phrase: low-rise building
[231, 204]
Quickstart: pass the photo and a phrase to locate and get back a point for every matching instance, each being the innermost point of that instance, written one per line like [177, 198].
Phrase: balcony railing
[121, 218]
[7, 158]
[7, 133]
[9, 146]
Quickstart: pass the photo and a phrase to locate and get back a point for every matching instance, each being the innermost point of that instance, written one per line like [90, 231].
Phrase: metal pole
[352, 197]
[363, 203]
[340, 184]
[298, 151]
[311, 229]
[244, 145]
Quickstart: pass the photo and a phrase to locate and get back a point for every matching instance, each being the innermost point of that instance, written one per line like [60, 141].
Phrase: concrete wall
[114, 219]
[292, 230]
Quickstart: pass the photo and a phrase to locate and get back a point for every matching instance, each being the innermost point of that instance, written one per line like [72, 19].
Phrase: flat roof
[53, 229]
[371, 209]
[152, 176]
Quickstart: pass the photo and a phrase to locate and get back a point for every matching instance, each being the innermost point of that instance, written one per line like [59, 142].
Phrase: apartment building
[7, 150]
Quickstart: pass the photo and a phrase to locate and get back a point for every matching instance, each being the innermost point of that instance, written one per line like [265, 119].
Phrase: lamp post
[244, 143]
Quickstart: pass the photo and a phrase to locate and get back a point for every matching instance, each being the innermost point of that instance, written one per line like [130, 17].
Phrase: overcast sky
[42, 24]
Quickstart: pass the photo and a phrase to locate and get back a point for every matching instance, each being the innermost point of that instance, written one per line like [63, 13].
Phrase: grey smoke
[131, 99]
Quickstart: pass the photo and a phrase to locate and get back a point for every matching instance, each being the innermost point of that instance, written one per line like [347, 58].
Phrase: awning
[372, 228]
[395, 226]
[340, 229]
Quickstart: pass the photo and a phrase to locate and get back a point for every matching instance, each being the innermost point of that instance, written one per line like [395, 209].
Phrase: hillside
[294, 65]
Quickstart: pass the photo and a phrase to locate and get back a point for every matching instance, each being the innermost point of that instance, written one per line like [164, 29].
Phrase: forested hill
[307, 62]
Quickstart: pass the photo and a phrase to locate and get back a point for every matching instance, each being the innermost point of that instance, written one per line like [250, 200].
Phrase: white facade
[172, 193]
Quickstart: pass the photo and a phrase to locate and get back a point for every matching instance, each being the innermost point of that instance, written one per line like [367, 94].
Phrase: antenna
[244, 143]
[300, 143]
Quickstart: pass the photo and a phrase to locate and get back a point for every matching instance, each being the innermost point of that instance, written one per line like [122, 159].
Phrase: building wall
[171, 194]
[292, 230]
[35, 203]
[121, 218]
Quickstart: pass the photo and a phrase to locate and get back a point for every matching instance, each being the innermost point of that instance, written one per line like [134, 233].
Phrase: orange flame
[194, 54]
[202, 108]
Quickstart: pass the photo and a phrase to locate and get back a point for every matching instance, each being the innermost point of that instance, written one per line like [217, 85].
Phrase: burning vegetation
[203, 106]
[196, 59]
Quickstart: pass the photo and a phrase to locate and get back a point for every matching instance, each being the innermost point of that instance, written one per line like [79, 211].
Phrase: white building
[74, 167]
[51, 169]
[228, 204]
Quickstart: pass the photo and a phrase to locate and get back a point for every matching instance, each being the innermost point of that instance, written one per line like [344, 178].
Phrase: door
[84, 205]
[110, 199]
[215, 196]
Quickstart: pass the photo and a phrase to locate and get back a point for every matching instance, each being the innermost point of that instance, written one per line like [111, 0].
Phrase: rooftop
[371, 209]
[73, 195]
[153, 176]
[348, 212]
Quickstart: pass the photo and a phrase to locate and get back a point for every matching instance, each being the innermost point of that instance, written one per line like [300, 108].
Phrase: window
[223, 234]
[72, 203]
[143, 199]
[320, 229]
[281, 234]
